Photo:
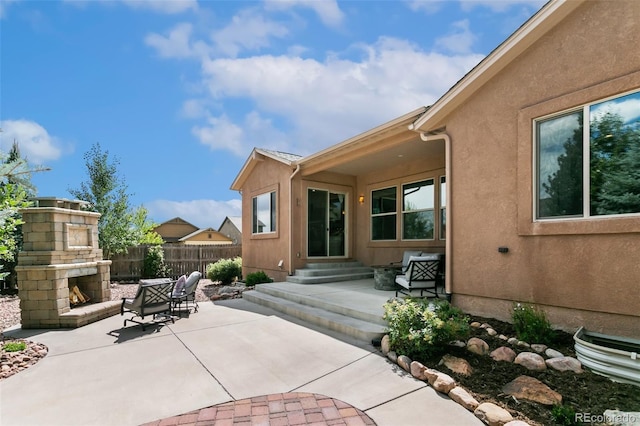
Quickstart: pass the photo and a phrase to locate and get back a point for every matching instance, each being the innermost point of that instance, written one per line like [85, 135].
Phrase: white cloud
[326, 102]
[427, 6]
[34, 141]
[163, 6]
[175, 45]
[248, 30]
[461, 41]
[221, 133]
[201, 213]
[327, 10]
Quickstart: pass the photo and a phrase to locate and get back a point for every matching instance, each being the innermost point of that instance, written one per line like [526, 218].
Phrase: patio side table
[384, 276]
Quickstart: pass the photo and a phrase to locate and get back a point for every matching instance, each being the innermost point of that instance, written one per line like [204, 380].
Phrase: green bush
[14, 346]
[531, 324]
[154, 265]
[258, 277]
[419, 328]
[564, 415]
[225, 270]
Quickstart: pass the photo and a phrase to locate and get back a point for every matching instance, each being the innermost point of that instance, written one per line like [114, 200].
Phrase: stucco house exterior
[523, 174]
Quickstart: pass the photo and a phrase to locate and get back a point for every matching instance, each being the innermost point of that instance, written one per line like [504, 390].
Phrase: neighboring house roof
[173, 229]
[234, 220]
[258, 155]
[204, 230]
[531, 31]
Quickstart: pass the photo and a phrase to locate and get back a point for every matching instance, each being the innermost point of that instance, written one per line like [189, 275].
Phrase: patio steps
[318, 273]
[339, 312]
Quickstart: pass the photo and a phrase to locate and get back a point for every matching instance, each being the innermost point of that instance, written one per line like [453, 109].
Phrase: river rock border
[488, 412]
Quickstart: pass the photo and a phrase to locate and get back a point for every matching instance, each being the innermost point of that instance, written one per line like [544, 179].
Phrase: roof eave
[538, 25]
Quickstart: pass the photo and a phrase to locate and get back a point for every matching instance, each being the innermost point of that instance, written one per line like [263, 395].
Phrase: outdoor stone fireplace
[60, 251]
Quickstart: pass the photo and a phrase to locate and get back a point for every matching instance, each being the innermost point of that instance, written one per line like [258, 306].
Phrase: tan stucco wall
[174, 230]
[208, 237]
[383, 252]
[576, 269]
[265, 251]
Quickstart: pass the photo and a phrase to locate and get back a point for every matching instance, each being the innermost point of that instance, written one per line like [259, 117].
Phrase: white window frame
[403, 212]
[586, 164]
[374, 215]
[273, 213]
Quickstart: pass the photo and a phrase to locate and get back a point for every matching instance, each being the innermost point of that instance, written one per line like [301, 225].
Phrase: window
[383, 214]
[443, 207]
[264, 213]
[589, 170]
[418, 200]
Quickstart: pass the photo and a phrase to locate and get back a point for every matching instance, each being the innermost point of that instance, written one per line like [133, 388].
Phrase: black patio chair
[153, 298]
[423, 273]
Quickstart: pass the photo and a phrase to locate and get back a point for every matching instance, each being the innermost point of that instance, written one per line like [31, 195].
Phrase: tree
[144, 228]
[107, 194]
[15, 190]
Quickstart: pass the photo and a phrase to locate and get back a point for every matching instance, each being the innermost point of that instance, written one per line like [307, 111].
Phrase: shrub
[258, 277]
[531, 324]
[14, 346]
[225, 270]
[419, 329]
[154, 265]
[564, 415]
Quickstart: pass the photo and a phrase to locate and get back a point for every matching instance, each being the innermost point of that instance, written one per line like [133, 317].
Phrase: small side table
[384, 276]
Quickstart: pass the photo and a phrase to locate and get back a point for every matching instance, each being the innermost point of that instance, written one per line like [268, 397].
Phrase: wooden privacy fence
[181, 259]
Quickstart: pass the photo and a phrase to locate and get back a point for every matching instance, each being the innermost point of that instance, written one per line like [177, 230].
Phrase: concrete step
[362, 330]
[318, 273]
[355, 305]
[328, 278]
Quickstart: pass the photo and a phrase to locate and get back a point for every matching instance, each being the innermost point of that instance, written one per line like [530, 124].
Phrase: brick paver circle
[280, 409]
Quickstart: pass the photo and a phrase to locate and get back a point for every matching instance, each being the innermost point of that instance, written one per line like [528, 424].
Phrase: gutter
[447, 175]
[290, 254]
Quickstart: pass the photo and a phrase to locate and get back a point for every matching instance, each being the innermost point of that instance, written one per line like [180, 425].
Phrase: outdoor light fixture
[361, 199]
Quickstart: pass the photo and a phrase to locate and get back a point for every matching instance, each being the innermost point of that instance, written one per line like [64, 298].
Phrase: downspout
[295, 172]
[447, 173]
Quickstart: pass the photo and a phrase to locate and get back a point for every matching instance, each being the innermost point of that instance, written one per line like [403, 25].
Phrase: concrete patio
[103, 374]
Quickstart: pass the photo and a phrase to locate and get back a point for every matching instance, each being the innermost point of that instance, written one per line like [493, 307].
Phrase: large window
[592, 169]
[418, 199]
[264, 213]
[383, 214]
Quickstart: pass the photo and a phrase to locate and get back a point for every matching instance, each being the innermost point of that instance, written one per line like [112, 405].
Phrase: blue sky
[180, 92]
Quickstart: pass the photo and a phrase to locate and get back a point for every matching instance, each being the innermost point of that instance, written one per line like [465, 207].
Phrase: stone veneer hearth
[61, 245]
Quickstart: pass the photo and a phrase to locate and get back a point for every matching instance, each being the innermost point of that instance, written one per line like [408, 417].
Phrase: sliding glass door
[326, 220]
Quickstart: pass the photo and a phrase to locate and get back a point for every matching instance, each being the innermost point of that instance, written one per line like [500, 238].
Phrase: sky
[178, 93]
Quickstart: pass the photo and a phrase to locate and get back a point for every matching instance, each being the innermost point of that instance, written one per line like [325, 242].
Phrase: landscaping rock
[552, 353]
[512, 341]
[457, 365]
[417, 370]
[565, 363]
[491, 332]
[523, 344]
[516, 423]
[477, 346]
[503, 337]
[393, 357]
[622, 418]
[531, 361]
[539, 347]
[385, 344]
[463, 398]
[531, 389]
[458, 344]
[492, 415]
[443, 383]
[404, 362]
[430, 374]
[503, 353]
[475, 324]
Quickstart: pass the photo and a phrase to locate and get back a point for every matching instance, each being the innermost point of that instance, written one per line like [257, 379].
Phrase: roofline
[360, 139]
[256, 155]
[531, 31]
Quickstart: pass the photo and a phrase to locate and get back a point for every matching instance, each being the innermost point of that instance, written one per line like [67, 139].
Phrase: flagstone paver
[286, 409]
